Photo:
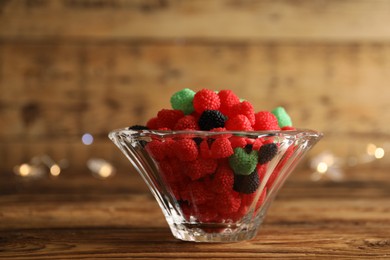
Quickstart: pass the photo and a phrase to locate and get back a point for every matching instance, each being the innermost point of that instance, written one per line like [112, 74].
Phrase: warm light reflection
[105, 171]
[322, 167]
[28, 170]
[371, 149]
[55, 170]
[24, 169]
[100, 168]
[379, 153]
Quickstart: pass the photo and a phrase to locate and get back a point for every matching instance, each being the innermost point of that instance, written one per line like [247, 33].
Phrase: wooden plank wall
[68, 67]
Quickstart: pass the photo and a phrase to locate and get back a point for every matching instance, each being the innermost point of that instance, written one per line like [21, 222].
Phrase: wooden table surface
[80, 217]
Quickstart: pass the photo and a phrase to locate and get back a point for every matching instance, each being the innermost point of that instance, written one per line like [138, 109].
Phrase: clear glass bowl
[192, 176]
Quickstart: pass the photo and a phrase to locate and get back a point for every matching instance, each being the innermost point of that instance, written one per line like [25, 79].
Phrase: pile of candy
[215, 178]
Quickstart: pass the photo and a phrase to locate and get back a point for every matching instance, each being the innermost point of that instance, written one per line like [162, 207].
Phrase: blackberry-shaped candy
[138, 127]
[267, 152]
[206, 99]
[143, 143]
[210, 119]
[247, 184]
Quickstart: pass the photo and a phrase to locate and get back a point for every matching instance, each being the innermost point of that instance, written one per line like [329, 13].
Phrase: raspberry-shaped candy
[265, 120]
[289, 152]
[267, 152]
[206, 213]
[257, 144]
[241, 212]
[197, 193]
[167, 118]
[204, 147]
[186, 123]
[248, 199]
[245, 108]
[209, 166]
[243, 163]
[228, 100]
[175, 189]
[272, 179]
[200, 168]
[186, 209]
[171, 169]
[152, 123]
[222, 135]
[283, 118]
[210, 119]
[206, 99]
[177, 169]
[186, 150]
[261, 170]
[182, 100]
[237, 141]
[223, 180]
[221, 148]
[287, 128]
[170, 148]
[156, 149]
[167, 171]
[262, 197]
[196, 115]
[246, 184]
[239, 122]
[227, 203]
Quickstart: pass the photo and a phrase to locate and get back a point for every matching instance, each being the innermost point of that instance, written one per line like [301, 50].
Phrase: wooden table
[78, 216]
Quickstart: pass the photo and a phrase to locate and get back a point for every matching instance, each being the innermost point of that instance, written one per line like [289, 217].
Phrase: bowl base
[213, 233]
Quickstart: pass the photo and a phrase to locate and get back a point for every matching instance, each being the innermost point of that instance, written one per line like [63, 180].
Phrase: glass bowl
[214, 186]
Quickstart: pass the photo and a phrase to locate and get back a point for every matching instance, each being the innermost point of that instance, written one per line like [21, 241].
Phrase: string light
[27, 170]
[55, 170]
[379, 153]
[100, 168]
[371, 149]
[39, 166]
[87, 139]
[322, 167]
[326, 164]
[24, 169]
[106, 171]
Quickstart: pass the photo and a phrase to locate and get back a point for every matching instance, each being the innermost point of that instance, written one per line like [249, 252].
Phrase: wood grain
[219, 19]
[77, 216]
[59, 80]
[55, 92]
[68, 67]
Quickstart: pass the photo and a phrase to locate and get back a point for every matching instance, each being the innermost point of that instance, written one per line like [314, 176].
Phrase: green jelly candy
[282, 116]
[243, 163]
[182, 100]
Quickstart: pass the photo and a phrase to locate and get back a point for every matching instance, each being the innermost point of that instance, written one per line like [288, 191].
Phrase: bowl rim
[166, 133]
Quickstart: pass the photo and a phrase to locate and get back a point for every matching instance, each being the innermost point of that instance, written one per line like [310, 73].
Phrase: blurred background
[72, 70]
